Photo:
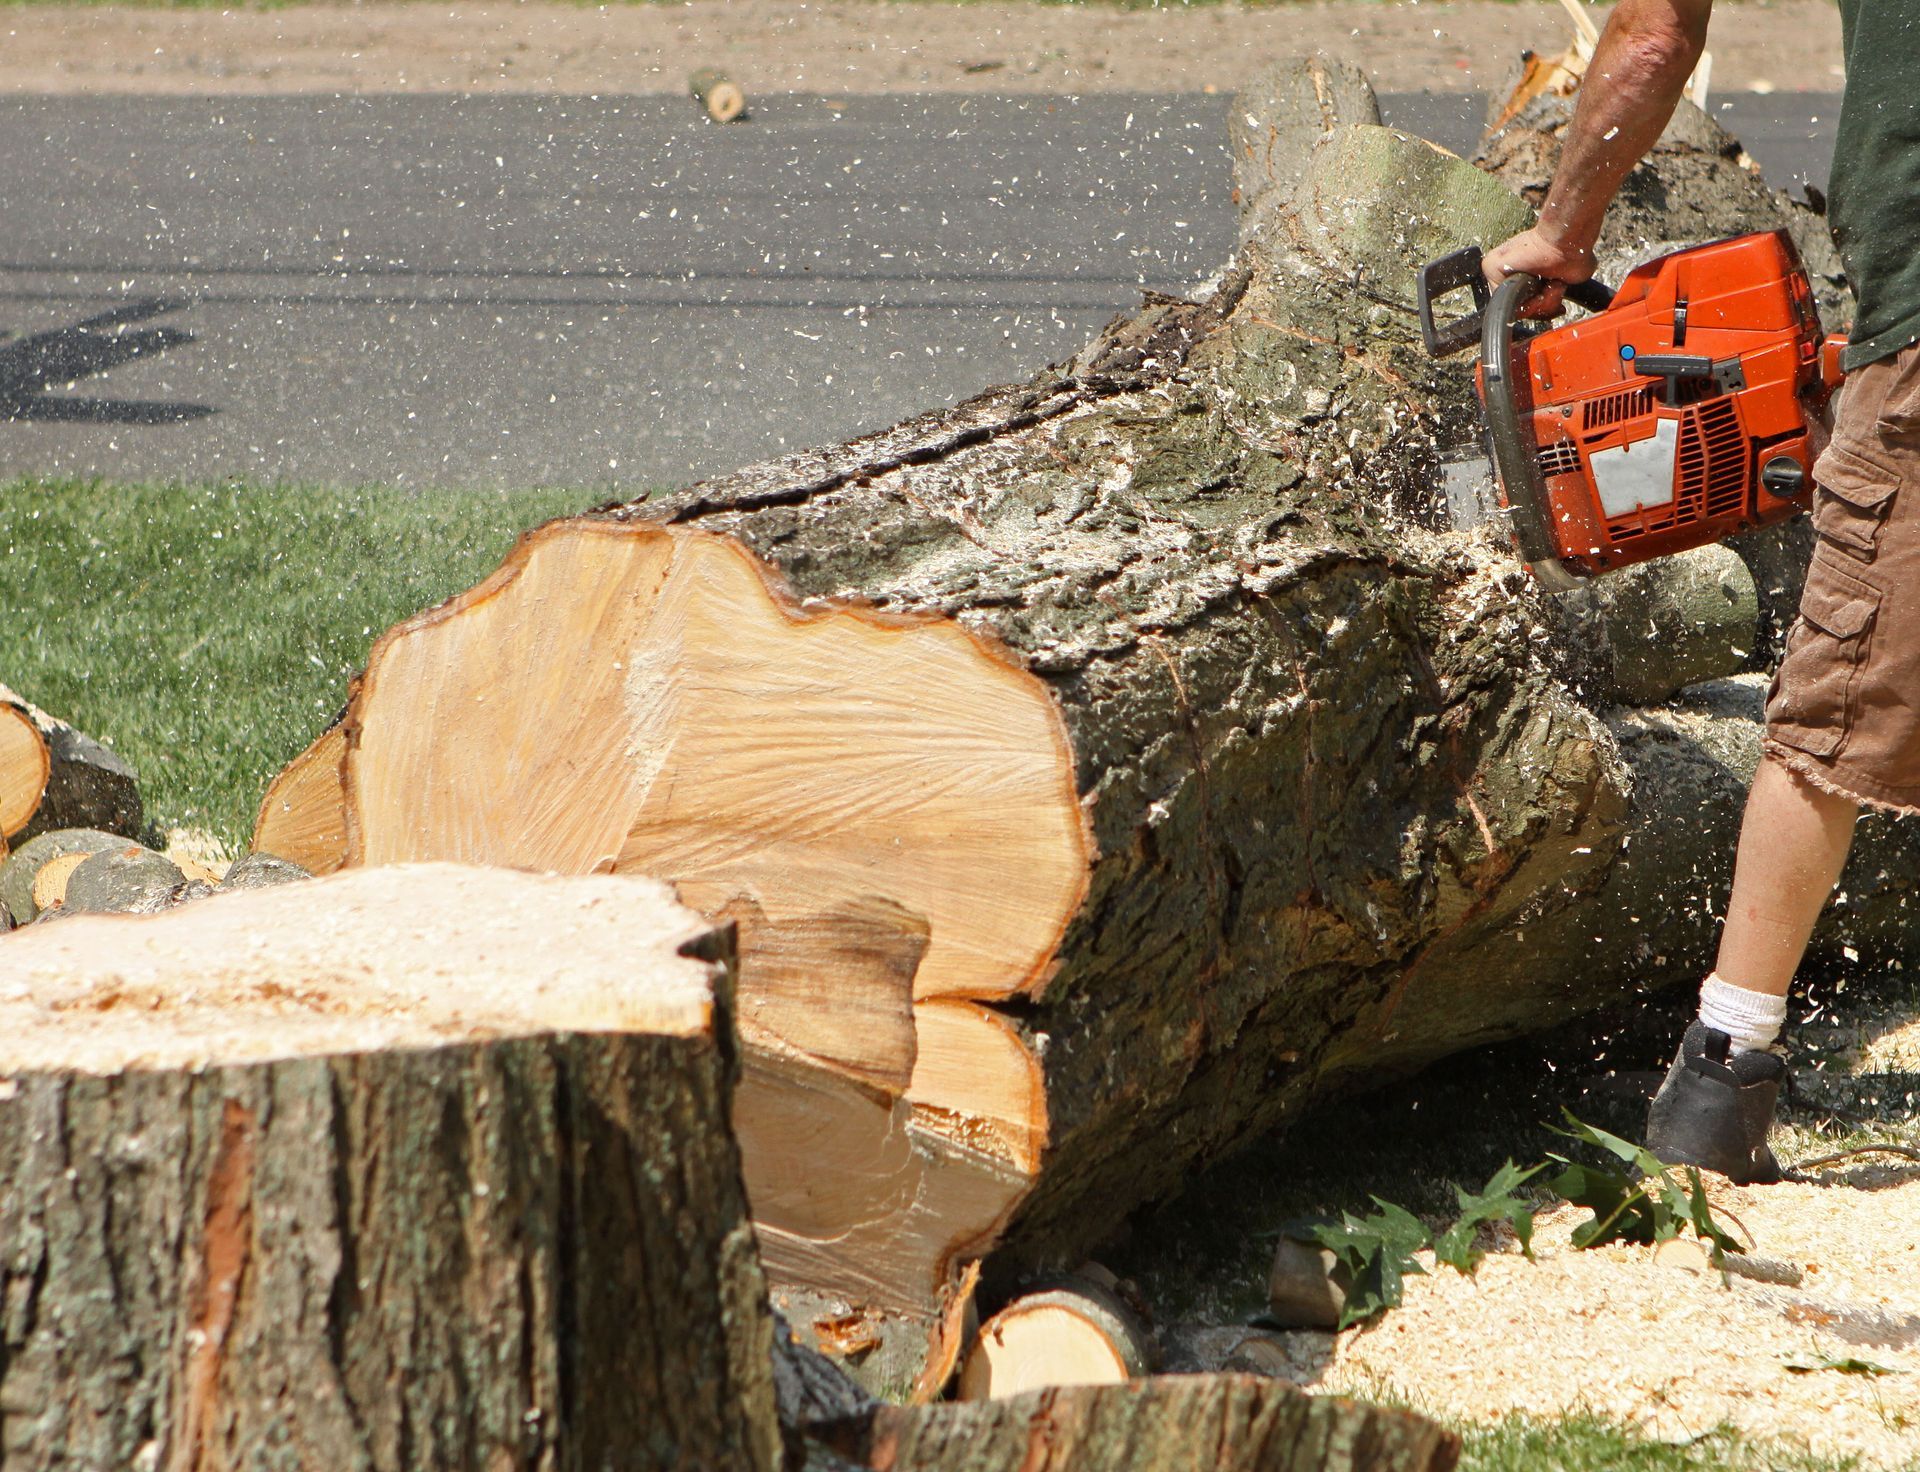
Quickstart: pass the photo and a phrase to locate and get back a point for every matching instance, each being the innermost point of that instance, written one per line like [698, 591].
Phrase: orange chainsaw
[1673, 416]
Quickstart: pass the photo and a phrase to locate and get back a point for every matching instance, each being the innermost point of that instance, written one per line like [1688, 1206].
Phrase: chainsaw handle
[1593, 294]
[1514, 457]
[1464, 269]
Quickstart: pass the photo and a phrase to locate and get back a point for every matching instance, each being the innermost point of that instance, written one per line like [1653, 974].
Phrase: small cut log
[1077, 1331]
[34, 876]
[86, 786]
[24, 767]
[719, 96]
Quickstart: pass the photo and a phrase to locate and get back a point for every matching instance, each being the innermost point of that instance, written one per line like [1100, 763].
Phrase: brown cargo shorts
[1844, 710]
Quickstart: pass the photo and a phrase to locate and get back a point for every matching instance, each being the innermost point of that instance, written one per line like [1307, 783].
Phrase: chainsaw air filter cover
[1677, 416]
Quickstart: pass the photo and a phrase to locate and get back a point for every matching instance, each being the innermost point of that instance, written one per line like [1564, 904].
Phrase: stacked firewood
[72, 827]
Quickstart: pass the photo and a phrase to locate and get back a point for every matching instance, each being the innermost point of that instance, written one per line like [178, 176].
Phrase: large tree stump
[419, 1167]
[1099, 770]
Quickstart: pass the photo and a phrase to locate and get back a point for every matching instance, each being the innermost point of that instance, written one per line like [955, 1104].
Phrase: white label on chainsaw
[1631, 477]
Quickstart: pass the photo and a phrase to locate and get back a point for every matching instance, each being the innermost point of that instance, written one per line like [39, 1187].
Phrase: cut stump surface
[424, 1166]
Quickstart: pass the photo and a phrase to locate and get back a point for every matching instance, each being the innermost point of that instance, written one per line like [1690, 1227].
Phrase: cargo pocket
[1853, 498]
[1815, 694]
[1900, 414]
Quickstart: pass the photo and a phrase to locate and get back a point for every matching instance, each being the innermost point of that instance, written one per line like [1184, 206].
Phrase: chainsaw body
[1677, 414]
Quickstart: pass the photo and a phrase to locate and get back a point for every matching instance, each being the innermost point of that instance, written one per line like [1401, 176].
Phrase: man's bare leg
[1717, 1102]
[1793, 844]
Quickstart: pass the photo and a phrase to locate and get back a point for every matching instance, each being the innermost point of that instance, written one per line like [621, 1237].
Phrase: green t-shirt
[1874, 198]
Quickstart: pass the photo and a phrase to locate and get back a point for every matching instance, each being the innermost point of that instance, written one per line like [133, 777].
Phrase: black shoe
[1714, 1110]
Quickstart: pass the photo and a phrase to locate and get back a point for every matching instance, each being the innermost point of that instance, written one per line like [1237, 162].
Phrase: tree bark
[1176, 1423]
[1280, 117]
[394, 1189]
[1146, 696]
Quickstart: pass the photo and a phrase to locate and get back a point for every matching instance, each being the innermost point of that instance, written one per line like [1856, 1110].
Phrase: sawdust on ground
[853, 46]
[1676, 1351]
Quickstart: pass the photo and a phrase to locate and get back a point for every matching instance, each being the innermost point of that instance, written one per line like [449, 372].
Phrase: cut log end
[50, 883]
[682, 717]
[1078, 1332]
[718, 95]
[303, 817]
[25, 765]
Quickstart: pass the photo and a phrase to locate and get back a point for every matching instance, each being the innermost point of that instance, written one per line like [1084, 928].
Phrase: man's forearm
[1639, 70]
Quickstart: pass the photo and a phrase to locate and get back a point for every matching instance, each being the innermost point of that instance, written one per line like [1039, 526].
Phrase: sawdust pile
[1666, 1343]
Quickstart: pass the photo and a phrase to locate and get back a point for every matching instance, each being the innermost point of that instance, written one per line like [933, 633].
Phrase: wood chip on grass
[1674, 1351]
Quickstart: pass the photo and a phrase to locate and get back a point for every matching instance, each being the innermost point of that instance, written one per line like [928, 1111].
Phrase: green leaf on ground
[1643, 1203]
[1848, 1365]
[1495, 1202]
[1377, 1252]
[1622, 1212]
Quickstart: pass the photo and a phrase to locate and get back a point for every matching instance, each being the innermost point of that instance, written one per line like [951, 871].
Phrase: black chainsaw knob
[1783, 477]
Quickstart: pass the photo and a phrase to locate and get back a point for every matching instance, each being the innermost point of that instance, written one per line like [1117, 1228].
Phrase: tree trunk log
[1144, 698]
[34, 876]
[359, 1175]
[1176, 1423]
[719, 96]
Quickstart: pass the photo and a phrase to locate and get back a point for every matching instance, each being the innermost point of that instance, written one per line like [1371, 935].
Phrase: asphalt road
[605, 293]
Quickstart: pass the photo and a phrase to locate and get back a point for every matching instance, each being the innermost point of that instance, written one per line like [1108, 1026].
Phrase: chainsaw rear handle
[1524, 488]
[1465, 268]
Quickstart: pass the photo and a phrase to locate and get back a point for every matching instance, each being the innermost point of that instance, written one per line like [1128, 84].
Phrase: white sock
[1752, 1019]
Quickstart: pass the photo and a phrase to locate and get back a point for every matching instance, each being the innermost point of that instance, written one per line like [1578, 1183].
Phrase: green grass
[1588, 1444]
[207, 632]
